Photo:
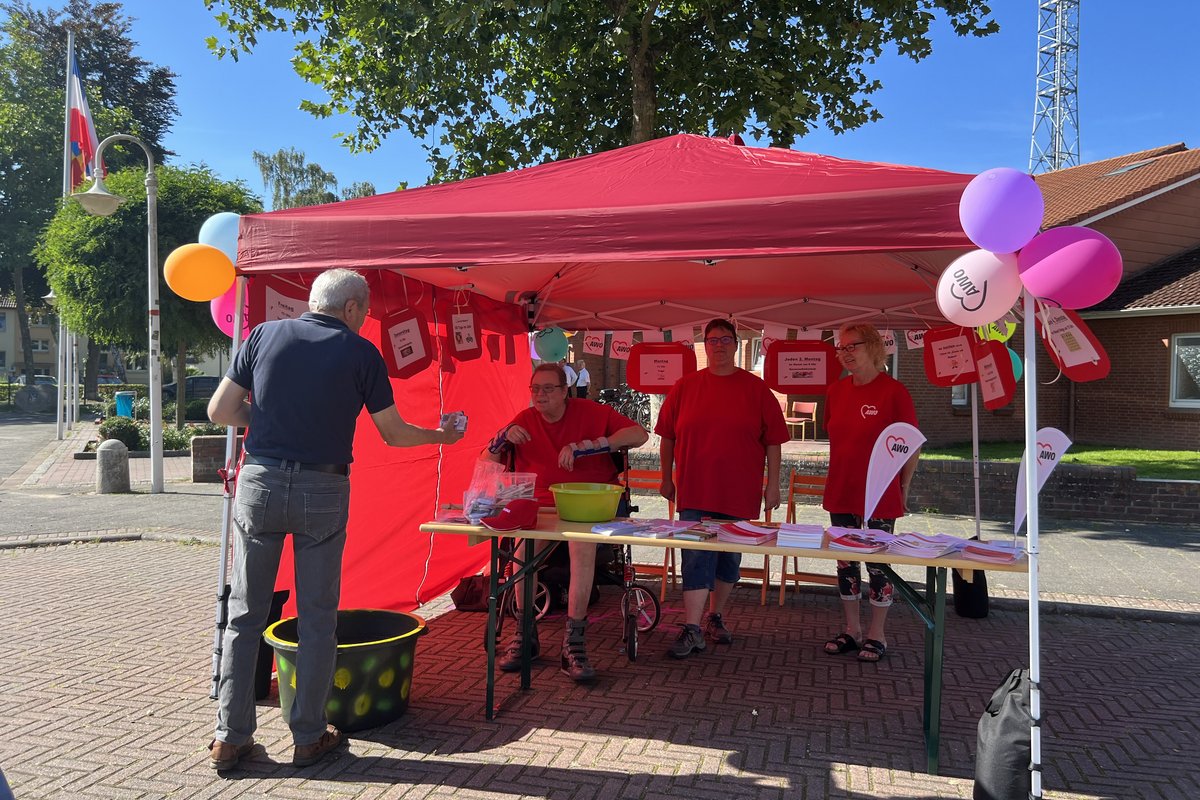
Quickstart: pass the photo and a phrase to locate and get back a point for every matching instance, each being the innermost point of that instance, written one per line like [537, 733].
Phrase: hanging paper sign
[1001, 330]
[464, 337]
[1051, 445]
[771, 335]
[915, 339]
[622, 343]
[801, 367]
[684, 335]
[652, 336]
[282, 306]
[897, 443]
[1072, 346]
[593, 342]
[889, 342]
[996, 380]
[948, 358]
[404, 339]
[654, 367]
[808, 334]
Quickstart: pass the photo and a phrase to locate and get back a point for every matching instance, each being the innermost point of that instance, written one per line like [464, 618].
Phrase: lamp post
[98, 201]
[60, 352]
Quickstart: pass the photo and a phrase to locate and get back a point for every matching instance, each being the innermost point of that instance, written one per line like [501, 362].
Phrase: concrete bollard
[112, 467]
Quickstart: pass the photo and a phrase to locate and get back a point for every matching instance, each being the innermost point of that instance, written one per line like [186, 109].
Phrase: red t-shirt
[722, 426]
[854, 418]
[583, 419]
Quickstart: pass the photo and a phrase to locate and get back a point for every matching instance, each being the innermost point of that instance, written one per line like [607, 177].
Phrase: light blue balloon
[221, 231]
[550, 344]
[1018, 365]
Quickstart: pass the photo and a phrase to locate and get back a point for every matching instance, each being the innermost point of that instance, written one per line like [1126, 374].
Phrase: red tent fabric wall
[389, 563]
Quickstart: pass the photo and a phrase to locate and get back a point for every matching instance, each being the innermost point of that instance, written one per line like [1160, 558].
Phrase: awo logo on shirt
[869, 410]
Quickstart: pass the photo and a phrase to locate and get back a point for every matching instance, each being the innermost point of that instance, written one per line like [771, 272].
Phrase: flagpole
[60, 392]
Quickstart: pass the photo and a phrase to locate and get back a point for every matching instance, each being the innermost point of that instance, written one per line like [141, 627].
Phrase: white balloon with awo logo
[979, 287]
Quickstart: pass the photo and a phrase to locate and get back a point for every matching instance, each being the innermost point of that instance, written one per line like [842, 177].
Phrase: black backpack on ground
[1003, 751]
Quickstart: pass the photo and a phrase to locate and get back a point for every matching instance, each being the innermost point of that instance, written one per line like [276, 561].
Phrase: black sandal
[842, 643]
[872, 651]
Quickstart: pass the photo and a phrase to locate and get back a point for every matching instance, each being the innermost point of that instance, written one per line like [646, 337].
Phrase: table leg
[527, 587]
[490, 639]
[933, 667]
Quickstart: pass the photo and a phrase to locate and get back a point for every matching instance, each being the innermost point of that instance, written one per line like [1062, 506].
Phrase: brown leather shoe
[223, 756]
[308, 754]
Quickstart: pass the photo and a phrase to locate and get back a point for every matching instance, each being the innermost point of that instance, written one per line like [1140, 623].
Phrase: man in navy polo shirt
[299, 385]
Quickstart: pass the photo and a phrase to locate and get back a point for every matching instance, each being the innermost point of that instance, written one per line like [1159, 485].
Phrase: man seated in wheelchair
[543, 439]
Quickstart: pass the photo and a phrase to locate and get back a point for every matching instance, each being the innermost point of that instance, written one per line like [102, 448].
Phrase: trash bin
[124, 404]
[373, 679]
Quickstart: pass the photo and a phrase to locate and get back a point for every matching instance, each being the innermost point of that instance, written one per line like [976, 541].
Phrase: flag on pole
[897, 443]
[83, 141]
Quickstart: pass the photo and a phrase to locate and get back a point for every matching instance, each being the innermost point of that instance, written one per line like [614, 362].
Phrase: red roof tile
[1173, 282]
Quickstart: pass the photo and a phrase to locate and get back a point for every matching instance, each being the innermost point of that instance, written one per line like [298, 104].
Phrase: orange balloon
[198, 272]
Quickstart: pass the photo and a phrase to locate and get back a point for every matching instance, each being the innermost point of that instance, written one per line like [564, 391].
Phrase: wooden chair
[762, 573]
[811, 486]
[802, 414]
[652, 479]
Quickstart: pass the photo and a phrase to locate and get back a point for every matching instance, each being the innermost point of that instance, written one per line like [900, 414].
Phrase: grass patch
[1183, 465]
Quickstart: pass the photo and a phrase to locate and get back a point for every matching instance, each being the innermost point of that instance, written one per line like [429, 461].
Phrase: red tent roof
[664, 233]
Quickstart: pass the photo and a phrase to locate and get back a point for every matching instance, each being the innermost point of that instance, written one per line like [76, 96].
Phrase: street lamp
[100, 202]
[60, 353]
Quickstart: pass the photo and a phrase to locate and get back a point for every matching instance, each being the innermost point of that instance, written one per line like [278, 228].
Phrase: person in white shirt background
[572, 376]
[583, 381]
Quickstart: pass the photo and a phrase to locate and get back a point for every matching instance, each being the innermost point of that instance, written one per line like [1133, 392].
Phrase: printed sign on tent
[996, 380]
[652, 336]
[889, 342]
[897, 443]
[654, 367]
[464, 337]
[593, 342]
[405, 343]
[1072, 346]
[803, 367]
[772, 334]
[948, 358]
[915, 339]
[283, 306]
[808, 334]
[622, 343]
[1051, 446]
[685, 335]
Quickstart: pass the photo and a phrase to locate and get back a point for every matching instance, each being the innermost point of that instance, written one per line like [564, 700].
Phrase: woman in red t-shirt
[718, 427]
[858, 407]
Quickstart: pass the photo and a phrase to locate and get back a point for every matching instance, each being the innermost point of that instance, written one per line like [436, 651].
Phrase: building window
[3, 359]
[3, 321]
[41, 345]
[960, 395]
[1185, 370]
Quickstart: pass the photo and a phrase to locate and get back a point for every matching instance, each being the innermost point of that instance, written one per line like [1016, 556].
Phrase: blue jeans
[702, 568]
[270, 503]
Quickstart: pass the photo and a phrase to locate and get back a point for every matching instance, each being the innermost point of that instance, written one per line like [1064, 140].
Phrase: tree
[97, 265]
[294, 182]
[125, 93]
[507, 84]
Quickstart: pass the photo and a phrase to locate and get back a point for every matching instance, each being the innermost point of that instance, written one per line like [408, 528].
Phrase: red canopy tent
[666, 233]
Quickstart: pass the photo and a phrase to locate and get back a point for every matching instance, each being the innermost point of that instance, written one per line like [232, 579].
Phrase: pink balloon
[1001, 210]
[222, 309]
[1071, 266]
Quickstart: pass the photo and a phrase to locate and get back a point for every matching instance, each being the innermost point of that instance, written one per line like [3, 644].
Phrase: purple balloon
[1001, 210]
[1071, 266]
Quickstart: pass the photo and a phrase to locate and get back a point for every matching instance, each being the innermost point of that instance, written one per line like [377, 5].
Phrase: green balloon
[550, 344]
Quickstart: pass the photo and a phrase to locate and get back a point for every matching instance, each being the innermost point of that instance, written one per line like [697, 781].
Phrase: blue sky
[967, 108]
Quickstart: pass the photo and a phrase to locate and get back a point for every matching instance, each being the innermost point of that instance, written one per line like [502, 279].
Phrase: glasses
[716, 340]
[849, 347]
[544, 388]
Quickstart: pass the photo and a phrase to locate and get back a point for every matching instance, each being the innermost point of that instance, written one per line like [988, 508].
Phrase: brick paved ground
[107, 670]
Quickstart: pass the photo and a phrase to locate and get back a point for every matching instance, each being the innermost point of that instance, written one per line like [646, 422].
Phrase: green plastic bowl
[586, 502]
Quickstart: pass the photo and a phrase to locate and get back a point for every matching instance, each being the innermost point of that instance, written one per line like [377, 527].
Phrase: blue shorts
[702, 568]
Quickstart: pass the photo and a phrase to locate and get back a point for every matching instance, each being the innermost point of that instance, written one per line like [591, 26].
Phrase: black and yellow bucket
[373, 679]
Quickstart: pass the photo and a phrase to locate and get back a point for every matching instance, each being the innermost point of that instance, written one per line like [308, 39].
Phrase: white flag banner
[685, 334]
[915, 338]
[652, 336]
[593, 342]
[897, 443]
[771, 334]
[619, 347]
[1051, 445]
[889, 342]
[808, 334]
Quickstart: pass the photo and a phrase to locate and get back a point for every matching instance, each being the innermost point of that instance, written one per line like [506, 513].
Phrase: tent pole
[975, 450]
[1031, 543]
[230, 477]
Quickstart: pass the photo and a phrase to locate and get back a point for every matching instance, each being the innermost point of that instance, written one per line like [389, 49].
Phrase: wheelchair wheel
[631, 636]
[541, 601]
[645, 608]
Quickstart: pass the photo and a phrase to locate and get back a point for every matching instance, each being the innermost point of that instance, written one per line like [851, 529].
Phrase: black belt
[297, 466]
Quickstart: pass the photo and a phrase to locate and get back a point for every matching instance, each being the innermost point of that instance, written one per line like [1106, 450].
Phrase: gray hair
[334, 288]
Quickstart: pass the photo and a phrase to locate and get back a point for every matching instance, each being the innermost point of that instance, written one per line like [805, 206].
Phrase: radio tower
[1055, 141]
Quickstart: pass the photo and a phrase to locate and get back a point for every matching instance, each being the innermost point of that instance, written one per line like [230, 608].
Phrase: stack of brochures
[921, 545]
[858, 540]
[621, 527]
[745, 533]
[800, 535]
[991, 552]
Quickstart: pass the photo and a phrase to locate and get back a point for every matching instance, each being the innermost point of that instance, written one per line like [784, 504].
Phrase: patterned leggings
[849, 573]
